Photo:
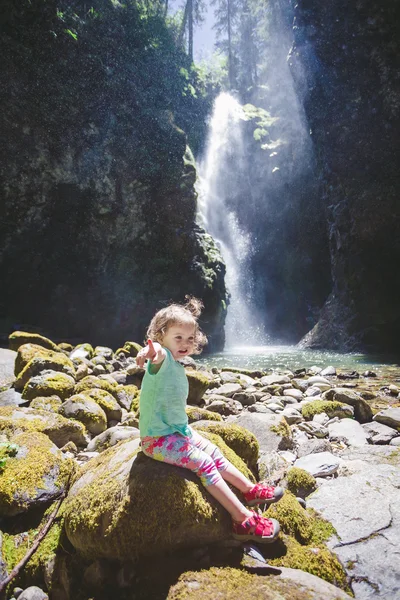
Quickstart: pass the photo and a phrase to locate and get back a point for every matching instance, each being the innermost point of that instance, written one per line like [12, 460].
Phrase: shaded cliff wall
[97, 213]
[345, 63]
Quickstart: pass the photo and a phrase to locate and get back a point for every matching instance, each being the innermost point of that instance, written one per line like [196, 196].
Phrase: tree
[193, 15]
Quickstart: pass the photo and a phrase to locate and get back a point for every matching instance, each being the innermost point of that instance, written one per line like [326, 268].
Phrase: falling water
[224, 159]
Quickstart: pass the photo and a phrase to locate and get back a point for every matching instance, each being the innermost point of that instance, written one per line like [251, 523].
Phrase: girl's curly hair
[178, 314]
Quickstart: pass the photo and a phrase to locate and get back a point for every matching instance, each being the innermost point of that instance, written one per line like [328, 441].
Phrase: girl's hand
[152, 352]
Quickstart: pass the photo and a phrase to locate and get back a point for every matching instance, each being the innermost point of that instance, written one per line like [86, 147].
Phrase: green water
[290, 357]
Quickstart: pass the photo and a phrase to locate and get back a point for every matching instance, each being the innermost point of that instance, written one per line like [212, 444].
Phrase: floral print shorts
[194, 453]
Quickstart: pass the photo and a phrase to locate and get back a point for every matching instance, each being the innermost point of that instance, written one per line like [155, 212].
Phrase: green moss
[300, 482]
[331, 408]
[197, 414]
[314, 559]
[248, 372]
[15, 547]
[59, 429]
[104, 399]
[18, 338]
[65, 347]
[25, 475]
[27, 352]
[240, 440]
[131, 348]
[198, 384]
[50, 403]
[229, 584]
[57, 362]
[88, 348]
[304, 533]
[50, 384]
[92, 382]
[87, 411]
[282, 429]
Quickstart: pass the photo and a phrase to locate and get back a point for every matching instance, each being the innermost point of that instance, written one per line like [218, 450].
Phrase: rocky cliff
[97, 219]
[345, 63]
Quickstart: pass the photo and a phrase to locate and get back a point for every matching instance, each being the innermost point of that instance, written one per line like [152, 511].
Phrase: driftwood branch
[42, 533]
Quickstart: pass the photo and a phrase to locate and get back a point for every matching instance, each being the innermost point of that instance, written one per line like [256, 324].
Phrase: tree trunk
[230, 58]
[190, 11]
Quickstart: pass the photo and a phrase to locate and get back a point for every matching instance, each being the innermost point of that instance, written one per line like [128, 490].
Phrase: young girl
[165, 434]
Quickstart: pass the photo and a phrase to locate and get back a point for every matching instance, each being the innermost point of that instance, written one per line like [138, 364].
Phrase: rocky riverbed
[69, 428]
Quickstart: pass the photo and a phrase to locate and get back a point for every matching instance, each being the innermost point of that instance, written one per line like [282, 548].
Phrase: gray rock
[328, 371]
[267, 429]
[272, 466]
[362, 410]
[313, 446]
[314, 587]
[33, 593]
[293, 393]
[11, 398]
[292, 415]
[378, 433]
[229, 389]
[7, 361]
[312, 391]
[300, 384]
[85, 410]
[321, 418]
[318, 379]
[364, 508]
[274, 379]
[259, 407]
[321, 464]
[112, 436]
[314, 429]
[395, 441]
[225, 407]
[390, 417]
[228, 377]
[348, 431]
[244, 397]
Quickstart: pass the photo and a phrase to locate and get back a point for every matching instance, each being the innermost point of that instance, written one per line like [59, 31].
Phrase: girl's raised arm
[155, 353]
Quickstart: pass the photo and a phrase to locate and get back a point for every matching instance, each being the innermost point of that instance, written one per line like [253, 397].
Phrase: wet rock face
[344, 64]
[97, 219]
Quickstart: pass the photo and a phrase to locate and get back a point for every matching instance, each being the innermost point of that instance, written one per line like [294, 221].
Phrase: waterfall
[218, 171]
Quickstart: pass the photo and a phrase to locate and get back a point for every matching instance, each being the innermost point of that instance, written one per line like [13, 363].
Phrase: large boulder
[230, 584]
[49, 383]
[19, 338]
[271, 431]
[198, 384]
[124, 505]
[59, 429]
[362, 410]
[85, 410]
[7, 360]
[57, 362]
[36, 474]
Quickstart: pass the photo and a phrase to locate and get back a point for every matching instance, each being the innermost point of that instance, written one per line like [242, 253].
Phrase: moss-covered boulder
[57, 362]
[303, 535]
[240, 440]
[19, 338]
[50, 403]
[131, 348]
[228, 583]
[127, 396]
[85, 410]
[332, 409]
[35, 475]
[124, 505]
[60, 430]
[84, 351]
[198, 384]
[300, 482]
[196, 413]
[49, 383]
[92, 382]
[43, 562]
[112, 436]
[362, 410]
[26, 352]
[107, 402]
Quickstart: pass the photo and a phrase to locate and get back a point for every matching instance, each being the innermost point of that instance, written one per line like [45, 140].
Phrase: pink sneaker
[263, 494]
[256, 528]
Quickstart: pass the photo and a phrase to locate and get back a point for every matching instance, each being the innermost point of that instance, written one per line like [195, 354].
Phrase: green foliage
[7, 450]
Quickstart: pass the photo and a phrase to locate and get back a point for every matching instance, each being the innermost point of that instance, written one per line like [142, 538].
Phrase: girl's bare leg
[236, 478]
[221, 492]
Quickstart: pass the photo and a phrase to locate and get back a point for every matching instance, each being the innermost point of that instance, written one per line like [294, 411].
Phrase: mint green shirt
[163, 399]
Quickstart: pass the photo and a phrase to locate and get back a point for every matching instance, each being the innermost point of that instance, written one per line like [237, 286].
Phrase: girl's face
[179, 339]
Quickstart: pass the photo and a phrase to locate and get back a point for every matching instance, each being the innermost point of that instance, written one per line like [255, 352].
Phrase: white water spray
[224, 158]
